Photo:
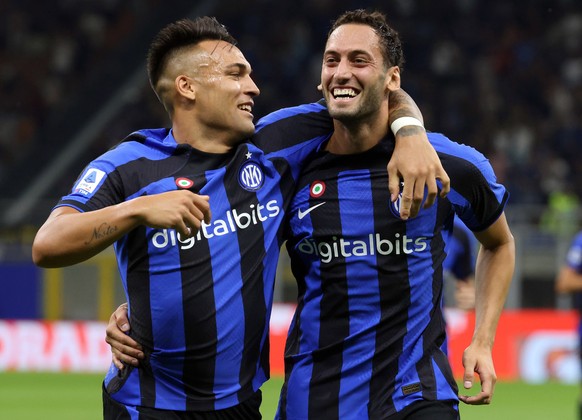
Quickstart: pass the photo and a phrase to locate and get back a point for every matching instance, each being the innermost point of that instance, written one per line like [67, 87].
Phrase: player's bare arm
[125, 350]
[414, 160]
[69, 236]
[494, 270]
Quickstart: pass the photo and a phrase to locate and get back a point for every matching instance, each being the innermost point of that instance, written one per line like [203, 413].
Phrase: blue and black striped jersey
[200, 306]
[366, 338]
[460, 249]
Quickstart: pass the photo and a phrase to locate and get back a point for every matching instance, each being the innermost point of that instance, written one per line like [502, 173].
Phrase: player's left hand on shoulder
[416, 163]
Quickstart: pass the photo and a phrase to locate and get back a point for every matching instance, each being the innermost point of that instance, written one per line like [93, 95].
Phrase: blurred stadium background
[504, 76]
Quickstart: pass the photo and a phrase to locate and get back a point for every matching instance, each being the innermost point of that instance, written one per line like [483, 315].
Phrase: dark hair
[390, 43]
[182, 33]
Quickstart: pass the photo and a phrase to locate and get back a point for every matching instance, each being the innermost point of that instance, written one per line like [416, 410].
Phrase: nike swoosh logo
[301, 214]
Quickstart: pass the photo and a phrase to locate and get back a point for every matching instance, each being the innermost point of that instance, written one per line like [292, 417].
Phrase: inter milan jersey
[460, 260]
[200, 305]
[366, 338]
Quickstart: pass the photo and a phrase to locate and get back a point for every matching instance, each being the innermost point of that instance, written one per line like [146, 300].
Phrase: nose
[251, 87]
[343, 70]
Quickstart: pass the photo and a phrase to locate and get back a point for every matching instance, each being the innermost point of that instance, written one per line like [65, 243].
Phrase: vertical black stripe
[293, 339]
[394, 290]
[334, 313]
[198, 303]
[138, 291]
[252, 245]
[434, 334]
[286, 185]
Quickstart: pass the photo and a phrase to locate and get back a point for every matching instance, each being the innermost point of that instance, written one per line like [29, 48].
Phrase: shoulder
[305, 111]
[153, 144]
[289, 128]
[446, 146]
[461, 160]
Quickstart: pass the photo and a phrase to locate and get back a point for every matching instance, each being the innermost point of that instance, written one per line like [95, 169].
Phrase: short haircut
[390, 43]
[180, 34]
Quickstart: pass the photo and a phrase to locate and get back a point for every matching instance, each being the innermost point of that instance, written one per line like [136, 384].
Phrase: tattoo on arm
[102, 231]
[402, 105]
[410, 130]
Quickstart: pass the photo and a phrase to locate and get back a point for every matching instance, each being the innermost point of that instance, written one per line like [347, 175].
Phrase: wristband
[403, 121]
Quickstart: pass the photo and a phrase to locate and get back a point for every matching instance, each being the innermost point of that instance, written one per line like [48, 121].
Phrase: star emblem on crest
[248, 155]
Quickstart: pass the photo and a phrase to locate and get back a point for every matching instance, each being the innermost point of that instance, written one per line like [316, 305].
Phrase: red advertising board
[531, 345]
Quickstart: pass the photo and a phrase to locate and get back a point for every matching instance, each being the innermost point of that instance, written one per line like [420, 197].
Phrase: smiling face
[354, 77]
[208, 91]
[224, 90]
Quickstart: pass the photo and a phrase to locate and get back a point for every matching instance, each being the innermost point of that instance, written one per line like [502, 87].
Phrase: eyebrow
[352, 52]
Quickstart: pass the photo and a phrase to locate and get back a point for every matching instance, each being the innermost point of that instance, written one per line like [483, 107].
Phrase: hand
[478, 359]
[181, 210]
[124, 349]
[415, 162]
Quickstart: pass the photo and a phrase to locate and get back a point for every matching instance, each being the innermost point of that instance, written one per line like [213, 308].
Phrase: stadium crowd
[503, 76]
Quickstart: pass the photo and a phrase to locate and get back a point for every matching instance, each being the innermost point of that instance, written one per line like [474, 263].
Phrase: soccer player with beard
[366, 341]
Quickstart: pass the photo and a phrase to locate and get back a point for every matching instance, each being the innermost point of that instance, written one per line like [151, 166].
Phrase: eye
[330, 61]
[235, 75]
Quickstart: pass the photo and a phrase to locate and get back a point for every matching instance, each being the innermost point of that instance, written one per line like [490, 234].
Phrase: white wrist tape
[404, 121]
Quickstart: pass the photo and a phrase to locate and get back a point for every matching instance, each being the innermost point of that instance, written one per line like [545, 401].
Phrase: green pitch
[28, 396]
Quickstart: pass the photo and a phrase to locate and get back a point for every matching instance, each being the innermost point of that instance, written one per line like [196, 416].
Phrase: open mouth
[246, 107]
[344, 93]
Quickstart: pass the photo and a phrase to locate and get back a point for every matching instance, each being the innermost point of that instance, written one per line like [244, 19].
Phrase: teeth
[247, 108]
[350, 93]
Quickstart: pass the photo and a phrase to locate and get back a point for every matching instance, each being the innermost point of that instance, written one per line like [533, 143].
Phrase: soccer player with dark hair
[569, 280]
[195, 214]
[366, 339]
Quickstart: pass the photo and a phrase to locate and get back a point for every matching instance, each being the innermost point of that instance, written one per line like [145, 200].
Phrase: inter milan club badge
[395, 206]
[184, 183]
[317, 189]
[251, 176]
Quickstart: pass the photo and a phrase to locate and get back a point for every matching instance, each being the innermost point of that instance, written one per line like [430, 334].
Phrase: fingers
[195, 211]
[199, 212]
[393, 183]
[117, 362]
[419, 188]
[123, 354]
[123, 347]
[205, 208]
[468, 378]
[445, 182]
[431, 192]
[484, 397]
[120, 317]
[477, 362]
[409, 204]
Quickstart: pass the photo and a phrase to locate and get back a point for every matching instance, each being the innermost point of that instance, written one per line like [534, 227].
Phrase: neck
[202, 137]
[357, 137]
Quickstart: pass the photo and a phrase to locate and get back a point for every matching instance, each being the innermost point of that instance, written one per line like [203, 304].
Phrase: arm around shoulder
[414, 160]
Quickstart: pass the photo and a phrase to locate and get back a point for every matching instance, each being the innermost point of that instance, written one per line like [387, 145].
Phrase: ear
[393, 78]
[319, 87]
[185, 87]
